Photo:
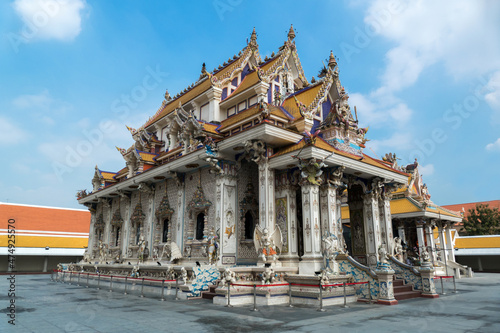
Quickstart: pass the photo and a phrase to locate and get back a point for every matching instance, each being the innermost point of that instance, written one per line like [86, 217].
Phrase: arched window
[200, 224]
[249, 225]
[117, 239]
[164, 237]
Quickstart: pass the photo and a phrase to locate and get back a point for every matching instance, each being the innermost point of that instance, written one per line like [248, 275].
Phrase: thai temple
[254, 173]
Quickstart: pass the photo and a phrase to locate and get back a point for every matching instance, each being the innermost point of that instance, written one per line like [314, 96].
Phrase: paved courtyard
[45, 306]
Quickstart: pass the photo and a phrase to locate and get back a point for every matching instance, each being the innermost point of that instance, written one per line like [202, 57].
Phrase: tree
[482, 220]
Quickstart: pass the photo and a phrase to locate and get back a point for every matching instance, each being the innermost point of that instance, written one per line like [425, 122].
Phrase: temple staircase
[454, 268]
[210, 294]
[404, 291]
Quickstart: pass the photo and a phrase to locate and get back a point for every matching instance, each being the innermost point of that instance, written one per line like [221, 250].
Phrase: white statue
[135, 272]
[142, 248]
[268, 275]
[184, 275]
[213, 247]
[102, 251]
[266, 244]
[398, 249]
[330, 251]
[382, 253]
[227, 277]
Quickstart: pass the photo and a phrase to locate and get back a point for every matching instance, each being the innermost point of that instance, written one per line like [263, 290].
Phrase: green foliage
[482, 220]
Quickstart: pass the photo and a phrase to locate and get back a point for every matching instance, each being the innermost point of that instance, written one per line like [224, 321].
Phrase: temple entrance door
[300, 235]
[355, 201]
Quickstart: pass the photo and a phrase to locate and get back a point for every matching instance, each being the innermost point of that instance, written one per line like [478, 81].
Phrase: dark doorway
[300, 236]
[249, 225]
[117, 239]
[200, 224]
[164, 237]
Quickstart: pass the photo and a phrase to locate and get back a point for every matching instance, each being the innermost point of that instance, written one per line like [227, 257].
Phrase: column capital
[311, 170]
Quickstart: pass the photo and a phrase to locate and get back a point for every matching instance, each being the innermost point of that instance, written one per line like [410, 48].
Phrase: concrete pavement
[45, 306]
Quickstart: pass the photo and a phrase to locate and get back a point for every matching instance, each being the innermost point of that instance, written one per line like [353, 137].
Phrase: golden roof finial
[291, 33]
[253, 38]
[332, 62]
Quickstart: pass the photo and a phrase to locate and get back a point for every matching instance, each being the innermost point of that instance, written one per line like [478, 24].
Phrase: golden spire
[291, 33]
[253, 38]
[332, 62]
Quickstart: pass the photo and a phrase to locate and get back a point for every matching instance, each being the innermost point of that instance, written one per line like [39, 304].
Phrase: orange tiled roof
[211, 128]
[306, 97]
[108, 176]
[47, 226]
[466, 206]
[248, 113]
[147, 157]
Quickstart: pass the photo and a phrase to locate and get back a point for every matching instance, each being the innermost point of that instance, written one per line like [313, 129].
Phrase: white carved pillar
[430, 241]
[442, 241]
[372, 227]
[312, 259]
[449, 243]
[420, 236]
[214, 100]
[226, 215]
[266, 196]
[180, 211]
[386, 219]
[289, 230]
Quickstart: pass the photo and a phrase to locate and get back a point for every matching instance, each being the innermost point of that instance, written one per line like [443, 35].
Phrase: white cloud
[426, 170]
[395, 143]
[461, 34]
[41, 100]
[495, 146]
[10, 133]
[493, 98]
[50, 19]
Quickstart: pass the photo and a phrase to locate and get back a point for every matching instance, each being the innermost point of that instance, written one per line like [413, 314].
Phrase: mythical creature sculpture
[171, 250]
[424, 257]
[311, 170]
[255, 150]
[266, 243]
[227, 277]
[102, 250]
[268, 275]
[142, 248]
[382, 253]
[213, 249]
[331, 249]
[184, 275]
[135, 272]
[398, 248]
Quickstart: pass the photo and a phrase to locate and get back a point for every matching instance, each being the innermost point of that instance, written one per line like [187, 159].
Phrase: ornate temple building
[247, 166]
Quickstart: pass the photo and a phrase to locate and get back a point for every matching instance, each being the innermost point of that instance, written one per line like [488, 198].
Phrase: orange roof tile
[147, 157]
[306, 97]
[464, 207]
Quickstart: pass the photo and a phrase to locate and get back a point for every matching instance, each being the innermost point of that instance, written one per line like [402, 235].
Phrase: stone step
[208, 295]
[407, 295]
[398, 282]
[400, 289]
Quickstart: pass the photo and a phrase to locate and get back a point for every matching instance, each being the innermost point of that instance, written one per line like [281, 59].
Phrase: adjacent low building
[40, 237]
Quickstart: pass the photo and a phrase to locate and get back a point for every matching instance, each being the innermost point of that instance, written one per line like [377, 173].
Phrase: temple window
[249, 225]
[117, 239]
[164, 237]
[137, 233]
[200, 224]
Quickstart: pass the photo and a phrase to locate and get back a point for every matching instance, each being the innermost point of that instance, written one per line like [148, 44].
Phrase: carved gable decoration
[137, 215]
[164, 210]
[117, 220]
[199, 201]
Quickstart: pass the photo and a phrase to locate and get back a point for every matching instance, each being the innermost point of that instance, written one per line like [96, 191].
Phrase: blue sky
[425, 76]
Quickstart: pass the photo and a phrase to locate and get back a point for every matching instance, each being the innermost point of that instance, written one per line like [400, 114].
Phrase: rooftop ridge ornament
[291, 33]
[332, 62]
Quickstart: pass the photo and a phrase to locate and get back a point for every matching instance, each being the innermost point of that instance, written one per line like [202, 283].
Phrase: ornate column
[372, 222]
[312, 260]
[427, 273]
[178, 225]
[441, 240]
[430, 240]
[420, 236]
[286, 219]
[226, 213]
[384, 206]
[331, 217]
[449, 243]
